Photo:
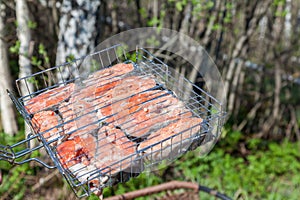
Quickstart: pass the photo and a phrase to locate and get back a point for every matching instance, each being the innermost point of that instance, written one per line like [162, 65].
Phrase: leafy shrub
[268, 171]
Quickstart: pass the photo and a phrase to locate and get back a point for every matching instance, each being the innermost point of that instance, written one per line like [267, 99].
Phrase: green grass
[266, 170]
[269, 170]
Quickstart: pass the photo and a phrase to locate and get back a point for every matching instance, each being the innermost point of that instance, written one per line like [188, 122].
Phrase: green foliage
[42, 59]
[140, 182]
[95, 65]
[268, 171]
[33, 80]
[143, 12]
[216, 27]
[158, 21]
[14, 181]
[42, 51]
[14, 177]
[129, 55]
[210, 4]
[15, 49]
[31, 24]
[35, 61]
[281, 14]
[229, 17]
[153, 21]
[70, 58]
[278, 2]
[121, 50]
[179, 5]
[152, 41]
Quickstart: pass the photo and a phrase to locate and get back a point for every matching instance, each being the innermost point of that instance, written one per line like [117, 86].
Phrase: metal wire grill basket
[87, 174]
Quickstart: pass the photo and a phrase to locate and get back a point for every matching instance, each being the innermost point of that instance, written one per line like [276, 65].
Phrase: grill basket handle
[15, 156]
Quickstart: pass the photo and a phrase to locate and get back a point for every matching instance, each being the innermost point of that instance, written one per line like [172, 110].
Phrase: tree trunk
[8, 115]
[77, 32]
[257, 12]
[24, 36]
[271, 123]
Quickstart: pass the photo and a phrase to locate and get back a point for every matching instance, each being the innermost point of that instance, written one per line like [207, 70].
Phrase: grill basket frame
[204, 106]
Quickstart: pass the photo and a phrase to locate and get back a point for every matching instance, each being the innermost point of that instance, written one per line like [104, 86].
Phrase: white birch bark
[8, 116]
[77, 31]
[24, 36]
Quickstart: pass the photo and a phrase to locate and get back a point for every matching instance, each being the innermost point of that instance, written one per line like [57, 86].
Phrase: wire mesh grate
[105, 118]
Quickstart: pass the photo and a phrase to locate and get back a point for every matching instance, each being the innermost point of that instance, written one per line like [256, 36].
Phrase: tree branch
[156, 189]
[44, 180]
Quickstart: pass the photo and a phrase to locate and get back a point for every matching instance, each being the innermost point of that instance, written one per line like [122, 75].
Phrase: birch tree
[24, 36]
[77, 31]
[8, 115]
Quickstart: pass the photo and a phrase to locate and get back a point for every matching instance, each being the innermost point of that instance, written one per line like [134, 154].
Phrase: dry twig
[156, 189]
[44, 180]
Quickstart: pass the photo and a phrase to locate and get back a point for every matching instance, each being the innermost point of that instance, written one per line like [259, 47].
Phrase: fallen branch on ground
[172, 185]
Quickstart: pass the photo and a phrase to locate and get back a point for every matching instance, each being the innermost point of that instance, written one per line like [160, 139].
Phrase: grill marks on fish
[171, 140]
[43, 122]
[63, 93]
[131, 105]
[154, 114]
[49, 98]
[70, 110]
[71, 102]
[114, 100]
[110, 74]
[111, 153]
[102, 81]
[114, 147]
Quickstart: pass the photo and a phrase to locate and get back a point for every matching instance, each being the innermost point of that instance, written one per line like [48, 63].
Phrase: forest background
[255, 45]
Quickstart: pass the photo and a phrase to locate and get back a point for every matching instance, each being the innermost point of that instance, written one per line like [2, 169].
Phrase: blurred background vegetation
[255, 45]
